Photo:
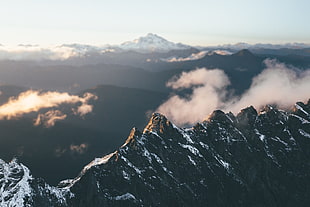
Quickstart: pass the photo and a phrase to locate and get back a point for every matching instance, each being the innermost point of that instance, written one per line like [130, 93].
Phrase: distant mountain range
[131, 69]
[240, 46]
[251, 159]
[154, 43]
[151, 43]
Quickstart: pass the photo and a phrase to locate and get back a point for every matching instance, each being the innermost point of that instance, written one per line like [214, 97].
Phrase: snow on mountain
[146, 44]
[14, 184]
[18, 188]
[152, 43]
[251, 159]
[225, 160]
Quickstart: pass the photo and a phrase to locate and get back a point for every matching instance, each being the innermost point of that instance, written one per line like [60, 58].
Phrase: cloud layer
[49, 118]
[196, 56]
[277, 84]
[34, 101]
[35, 52]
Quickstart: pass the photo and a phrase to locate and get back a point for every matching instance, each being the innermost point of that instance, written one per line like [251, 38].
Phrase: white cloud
[222, 52]
[53, 52]
[49, 118]
[35, 52]
[34, 101]
[207, 95]
[84, 109]
[194, 56]
[277, 84]
[80, 149]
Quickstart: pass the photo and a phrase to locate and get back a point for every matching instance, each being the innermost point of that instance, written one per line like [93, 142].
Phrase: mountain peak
[247, 116]
[134, 133]
[158, 124]
[152, 43]
[153, 36]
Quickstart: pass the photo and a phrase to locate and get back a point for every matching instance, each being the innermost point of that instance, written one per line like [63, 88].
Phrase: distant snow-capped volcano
[146, 44]
[152, 43]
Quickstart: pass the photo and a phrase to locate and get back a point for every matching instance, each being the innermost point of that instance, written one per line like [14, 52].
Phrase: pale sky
[195, 22]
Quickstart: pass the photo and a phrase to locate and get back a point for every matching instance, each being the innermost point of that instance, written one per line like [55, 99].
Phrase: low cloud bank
[49, 118]
[34, 101]
[277, 84]
[36, 53]
[196, 56]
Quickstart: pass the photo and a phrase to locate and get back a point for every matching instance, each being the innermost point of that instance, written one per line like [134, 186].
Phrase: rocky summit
[251, 159]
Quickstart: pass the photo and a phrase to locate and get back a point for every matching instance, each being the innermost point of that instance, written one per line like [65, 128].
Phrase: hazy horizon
[33, 45]
[204, 23]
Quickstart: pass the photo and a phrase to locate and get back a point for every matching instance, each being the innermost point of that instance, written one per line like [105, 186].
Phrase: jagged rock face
[252, 159]
[19, 188]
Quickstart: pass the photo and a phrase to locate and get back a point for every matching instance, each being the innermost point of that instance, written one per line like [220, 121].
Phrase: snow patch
[192, 149]
[279, 140]
[126, 176]
[224, 164]
[303, 121]
[187, 137]
[131, 165]
[191, 160]
[157, 158]
[204, 145]
[146, 154]
[15, 184]
[99, 161]
[303, 133]
[260, 136]
[59, 193]
[301, 109]
[126, 196]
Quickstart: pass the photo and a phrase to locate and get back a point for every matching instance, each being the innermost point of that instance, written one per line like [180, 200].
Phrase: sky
[196, 22]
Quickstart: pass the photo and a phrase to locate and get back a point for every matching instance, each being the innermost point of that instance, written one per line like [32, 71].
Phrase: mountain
[61, 151]
[152, 43]
[136, 70]
[283, 51]
[242, 45]
[19, 188]
[251, 159]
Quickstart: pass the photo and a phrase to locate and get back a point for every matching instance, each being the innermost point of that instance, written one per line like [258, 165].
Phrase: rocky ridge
[251, 159]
